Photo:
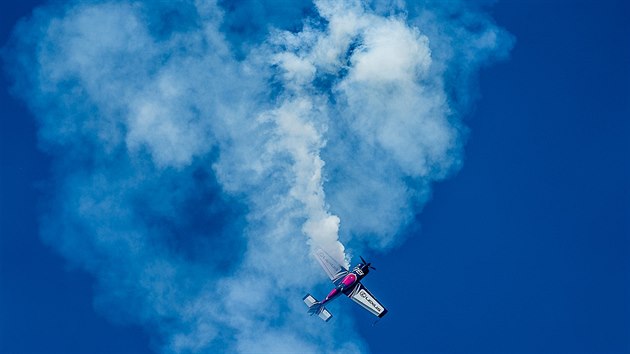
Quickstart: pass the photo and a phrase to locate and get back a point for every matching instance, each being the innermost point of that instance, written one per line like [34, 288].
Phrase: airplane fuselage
[347, 283]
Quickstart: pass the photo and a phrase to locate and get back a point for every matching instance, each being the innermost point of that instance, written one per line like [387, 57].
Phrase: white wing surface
[363, 297]
[334, 270]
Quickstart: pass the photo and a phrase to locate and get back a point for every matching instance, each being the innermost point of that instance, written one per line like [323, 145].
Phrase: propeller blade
[366, 263]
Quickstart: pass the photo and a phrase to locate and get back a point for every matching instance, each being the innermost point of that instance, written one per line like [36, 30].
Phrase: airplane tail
[316, 308]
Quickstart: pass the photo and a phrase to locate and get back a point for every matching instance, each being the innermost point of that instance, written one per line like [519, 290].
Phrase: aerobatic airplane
[346, 282]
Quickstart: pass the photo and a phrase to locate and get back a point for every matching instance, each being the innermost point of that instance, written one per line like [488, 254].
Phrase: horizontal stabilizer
[325, 314]
[315, 307]
[309, 300]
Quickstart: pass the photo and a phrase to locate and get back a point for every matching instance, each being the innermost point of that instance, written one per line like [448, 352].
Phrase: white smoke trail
[191, 180]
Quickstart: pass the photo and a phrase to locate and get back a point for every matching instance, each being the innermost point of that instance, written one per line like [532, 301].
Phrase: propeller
[366, 263]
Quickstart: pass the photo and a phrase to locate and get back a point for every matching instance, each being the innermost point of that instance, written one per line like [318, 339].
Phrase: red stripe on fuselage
[346, 283]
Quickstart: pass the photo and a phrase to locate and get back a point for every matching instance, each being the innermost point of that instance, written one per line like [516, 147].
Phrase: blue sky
[523, 248]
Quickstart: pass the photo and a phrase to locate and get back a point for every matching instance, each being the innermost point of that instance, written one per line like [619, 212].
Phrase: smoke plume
[202, 149]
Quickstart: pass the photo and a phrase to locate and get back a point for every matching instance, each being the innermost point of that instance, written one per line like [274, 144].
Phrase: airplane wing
[334, 270]
[363, 297]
